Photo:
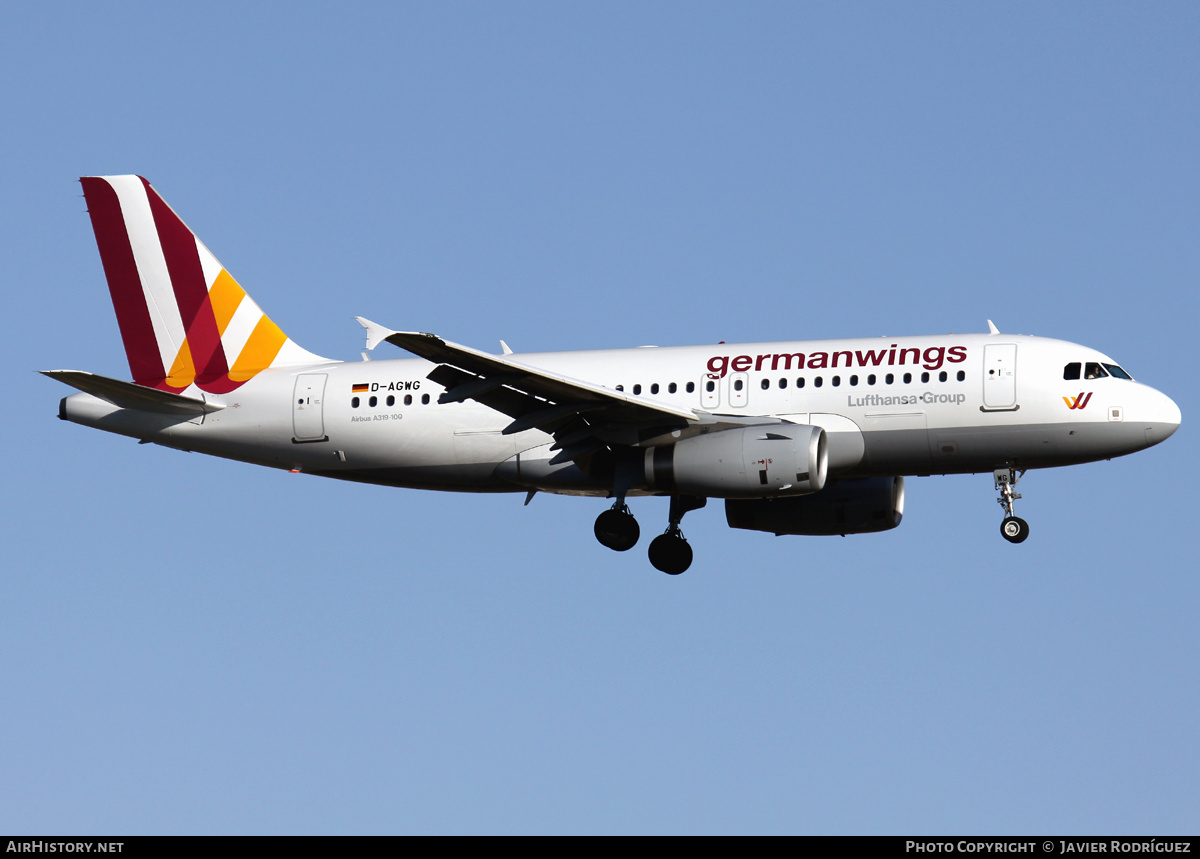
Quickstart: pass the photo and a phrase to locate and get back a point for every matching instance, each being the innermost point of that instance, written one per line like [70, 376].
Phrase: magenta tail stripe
[191, 290]
[221, 385]
[124, 282]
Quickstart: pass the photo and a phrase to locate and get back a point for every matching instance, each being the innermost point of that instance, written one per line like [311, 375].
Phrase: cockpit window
[1094, 371]
[1117, 372]
[1071, 371]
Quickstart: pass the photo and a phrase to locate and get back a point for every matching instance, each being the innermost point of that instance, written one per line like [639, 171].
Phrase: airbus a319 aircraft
[806, 437]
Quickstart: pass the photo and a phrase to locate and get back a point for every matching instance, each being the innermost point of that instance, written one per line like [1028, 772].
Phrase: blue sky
[193, 645]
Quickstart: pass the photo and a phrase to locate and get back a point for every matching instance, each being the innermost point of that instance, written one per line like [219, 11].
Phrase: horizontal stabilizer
[127, 395]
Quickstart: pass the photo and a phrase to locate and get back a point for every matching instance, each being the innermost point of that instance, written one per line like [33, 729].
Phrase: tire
[670, 554]
[617, 530]
[1014, 529]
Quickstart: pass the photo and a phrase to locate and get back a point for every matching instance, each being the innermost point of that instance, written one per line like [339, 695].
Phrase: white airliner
[807, 437]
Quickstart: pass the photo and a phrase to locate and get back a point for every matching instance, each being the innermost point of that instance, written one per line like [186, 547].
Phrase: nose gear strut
[1013, 528]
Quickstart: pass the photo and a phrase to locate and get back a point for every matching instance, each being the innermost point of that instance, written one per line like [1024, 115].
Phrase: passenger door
[1000, 376]
[308, 409]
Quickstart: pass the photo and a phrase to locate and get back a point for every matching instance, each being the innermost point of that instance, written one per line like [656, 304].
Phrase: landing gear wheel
[617, 529]
[670, 553]
[1014, 529]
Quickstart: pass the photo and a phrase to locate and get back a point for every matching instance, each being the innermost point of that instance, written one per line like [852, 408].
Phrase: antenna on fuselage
[992, 329]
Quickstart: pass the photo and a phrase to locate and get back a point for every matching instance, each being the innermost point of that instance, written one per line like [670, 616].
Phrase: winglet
[992, 329]
[504, 346]
[376, 333]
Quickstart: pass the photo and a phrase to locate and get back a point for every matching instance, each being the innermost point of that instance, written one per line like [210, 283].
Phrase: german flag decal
[360, 389]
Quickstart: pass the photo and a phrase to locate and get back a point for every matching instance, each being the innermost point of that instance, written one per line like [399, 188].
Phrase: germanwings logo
[1079, 402]
[183, 319]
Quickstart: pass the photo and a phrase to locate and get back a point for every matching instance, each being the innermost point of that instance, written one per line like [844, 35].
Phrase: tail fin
[182, 316]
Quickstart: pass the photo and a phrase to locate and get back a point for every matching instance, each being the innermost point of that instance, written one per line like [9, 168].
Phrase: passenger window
[710, 386]
[800, 382]
[1071, 371]
[925, 377]
[373, 402]
[654, 388]
[737, 384]
[942, 376]
[961, 375]
[782, 384]
[391, 401]
[817, 382]
[620, 387]
[637, 389]
[1093, 371]
[907, 378]
[353, 403]
[691, 387]
[408, 399]
[854, 380]
[672, 388]
[871, 379]
[837, 380]
[766, 383]
[424, 399]
[889, 378]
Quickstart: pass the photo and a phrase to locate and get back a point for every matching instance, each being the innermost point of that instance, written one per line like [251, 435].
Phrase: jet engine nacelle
[748, 462]
[859, 506]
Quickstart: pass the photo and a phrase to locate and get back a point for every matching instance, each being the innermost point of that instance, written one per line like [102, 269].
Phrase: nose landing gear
[1013, 528]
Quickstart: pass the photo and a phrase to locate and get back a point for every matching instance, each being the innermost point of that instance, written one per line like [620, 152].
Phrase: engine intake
[747, 462]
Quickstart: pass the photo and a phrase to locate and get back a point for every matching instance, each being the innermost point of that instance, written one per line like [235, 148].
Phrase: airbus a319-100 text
[809, 437]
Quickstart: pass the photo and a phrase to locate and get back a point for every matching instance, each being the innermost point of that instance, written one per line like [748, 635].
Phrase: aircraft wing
[578, 413]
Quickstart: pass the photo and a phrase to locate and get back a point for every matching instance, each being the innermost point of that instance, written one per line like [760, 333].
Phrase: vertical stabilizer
[184, 320]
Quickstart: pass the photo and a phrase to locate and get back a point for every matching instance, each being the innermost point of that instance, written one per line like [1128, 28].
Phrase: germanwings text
[931, 359]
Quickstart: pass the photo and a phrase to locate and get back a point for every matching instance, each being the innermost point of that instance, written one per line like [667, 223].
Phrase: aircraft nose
[1162, 418]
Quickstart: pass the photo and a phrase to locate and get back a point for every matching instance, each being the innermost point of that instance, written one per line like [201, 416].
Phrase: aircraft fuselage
[890, 406]
[798, 437]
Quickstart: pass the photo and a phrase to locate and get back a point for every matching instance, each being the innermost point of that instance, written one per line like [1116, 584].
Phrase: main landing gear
[618, 530]
[669, 551]
[1013, 528]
